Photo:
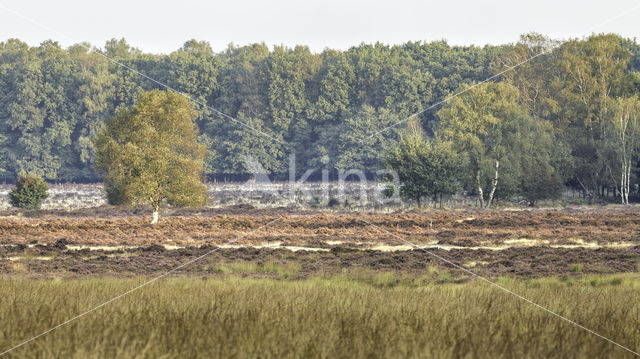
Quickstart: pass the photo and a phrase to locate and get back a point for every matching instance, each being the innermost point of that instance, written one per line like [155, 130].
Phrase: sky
[163, 26]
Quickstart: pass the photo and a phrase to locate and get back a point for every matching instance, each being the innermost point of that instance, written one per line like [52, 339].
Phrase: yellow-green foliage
[319, 317]
[151, 153]
[29, 192]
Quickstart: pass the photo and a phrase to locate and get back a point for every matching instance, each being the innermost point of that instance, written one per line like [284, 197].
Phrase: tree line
[577, 101]
[54, 100]
[570, 117]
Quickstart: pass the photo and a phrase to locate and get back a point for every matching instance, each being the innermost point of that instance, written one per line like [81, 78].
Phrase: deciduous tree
[425, 168]
[150, 154]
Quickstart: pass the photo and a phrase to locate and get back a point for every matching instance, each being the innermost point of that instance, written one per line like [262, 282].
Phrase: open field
[321, 284]
[522, 243]
[260, 195]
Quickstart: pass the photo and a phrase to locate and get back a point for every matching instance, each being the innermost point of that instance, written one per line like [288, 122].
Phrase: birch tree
[592, 73]
[150, 154]
[477, 122]
[488, 125]
[621, 137]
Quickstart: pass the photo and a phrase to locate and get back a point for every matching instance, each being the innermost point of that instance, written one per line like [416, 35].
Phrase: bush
[389, 191]
[29, 192]
[333, 202]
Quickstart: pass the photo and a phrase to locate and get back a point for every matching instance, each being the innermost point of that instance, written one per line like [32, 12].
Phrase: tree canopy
[150, 153]
[53, 100]
[425, 168]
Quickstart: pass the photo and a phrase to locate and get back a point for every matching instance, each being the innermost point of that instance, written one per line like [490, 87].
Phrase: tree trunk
[622, 184]
[625, 185]
[627, 182]
[156, 215]
[494, 185]
[480, 193]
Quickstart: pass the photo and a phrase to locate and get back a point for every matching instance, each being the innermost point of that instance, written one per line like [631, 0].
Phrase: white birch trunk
[622, 182]
[626, 194]
[494, 185]
[480, 193]
[156, 215]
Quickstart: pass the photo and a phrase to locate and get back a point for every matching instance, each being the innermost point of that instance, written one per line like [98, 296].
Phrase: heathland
[321, 284]
[319, 274]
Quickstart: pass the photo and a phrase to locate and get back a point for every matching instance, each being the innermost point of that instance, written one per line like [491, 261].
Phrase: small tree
[425, 168]
[29, 192]
[541, 161]
[509, 152]
[621, 142]
[478, 122]
[150, 154]
[539, 181]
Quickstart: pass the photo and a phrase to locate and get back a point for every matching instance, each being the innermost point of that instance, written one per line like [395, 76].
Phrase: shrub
[29, 192]
[388, 191]
[333, 202]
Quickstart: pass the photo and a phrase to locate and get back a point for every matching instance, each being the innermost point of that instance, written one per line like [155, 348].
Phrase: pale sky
[163, 26]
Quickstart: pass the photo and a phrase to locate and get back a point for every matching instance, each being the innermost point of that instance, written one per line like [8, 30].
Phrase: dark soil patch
[149, 261]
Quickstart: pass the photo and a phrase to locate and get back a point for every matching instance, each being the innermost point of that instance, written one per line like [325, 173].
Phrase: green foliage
[333, 104]
[482, 123]
[539, 181]
[150, 153]
[54, 100]
[388, 191]
[620, 143]
[29, 192]
[508, 151]
[360, 144]
[540, 161]
[425, 168]
[593, 73]
[577, 87]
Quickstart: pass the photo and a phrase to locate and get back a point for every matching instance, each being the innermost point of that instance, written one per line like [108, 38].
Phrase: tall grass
[319, 317]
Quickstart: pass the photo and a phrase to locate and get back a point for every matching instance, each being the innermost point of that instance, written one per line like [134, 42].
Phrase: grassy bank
[340, 316]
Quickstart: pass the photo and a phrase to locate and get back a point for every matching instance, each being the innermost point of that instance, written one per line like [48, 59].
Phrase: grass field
[348, 315]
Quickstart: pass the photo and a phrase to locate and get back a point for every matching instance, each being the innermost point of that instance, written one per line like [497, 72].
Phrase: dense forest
[53, 100]
[315, 105]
